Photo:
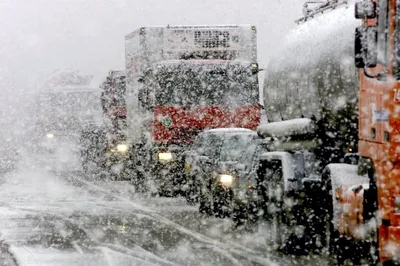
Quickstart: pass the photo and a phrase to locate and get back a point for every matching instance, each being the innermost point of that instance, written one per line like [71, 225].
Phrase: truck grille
[185, 134]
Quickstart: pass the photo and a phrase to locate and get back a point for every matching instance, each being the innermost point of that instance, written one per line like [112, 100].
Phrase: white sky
[40, 36]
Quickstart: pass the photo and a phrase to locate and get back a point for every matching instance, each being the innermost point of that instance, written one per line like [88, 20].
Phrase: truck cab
[290, 185]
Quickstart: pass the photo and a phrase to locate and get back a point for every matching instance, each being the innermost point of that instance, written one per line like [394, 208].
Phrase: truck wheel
[192, 195]
[222, 202]
[205, 205]
[138, 180]
[239, 215]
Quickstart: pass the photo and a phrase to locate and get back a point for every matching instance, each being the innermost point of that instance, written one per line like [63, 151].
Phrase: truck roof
[201, 62]
[228, 26]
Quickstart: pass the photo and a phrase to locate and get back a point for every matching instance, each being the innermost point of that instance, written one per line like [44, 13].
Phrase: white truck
[66, 103]
[181, 80]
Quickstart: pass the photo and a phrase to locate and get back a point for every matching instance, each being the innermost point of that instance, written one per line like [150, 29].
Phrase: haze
[41, 36]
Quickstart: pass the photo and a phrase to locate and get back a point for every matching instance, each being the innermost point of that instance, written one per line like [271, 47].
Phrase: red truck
[113, 104]
[179, 81]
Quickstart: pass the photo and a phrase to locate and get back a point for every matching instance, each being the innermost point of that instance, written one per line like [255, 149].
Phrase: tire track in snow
[232, 247]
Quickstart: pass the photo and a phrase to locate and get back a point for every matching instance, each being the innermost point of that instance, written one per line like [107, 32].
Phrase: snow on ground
[49, 219]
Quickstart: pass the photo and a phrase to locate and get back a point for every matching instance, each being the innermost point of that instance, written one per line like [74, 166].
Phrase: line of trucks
[332, 98]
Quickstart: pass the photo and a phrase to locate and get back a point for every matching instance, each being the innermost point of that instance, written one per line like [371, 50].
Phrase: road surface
[49, 219]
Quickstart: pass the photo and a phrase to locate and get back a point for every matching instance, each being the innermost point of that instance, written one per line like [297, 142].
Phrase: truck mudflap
[358, 237]
[389, 243]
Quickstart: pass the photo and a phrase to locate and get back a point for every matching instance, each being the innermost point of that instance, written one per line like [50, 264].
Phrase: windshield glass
[206, 85]
[234, 146]
[208, 146]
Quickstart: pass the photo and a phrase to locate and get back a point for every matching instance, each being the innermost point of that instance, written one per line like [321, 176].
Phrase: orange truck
[376, 54]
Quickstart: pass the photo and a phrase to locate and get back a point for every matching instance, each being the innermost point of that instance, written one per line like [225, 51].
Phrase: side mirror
[365, 47]
[365, 10]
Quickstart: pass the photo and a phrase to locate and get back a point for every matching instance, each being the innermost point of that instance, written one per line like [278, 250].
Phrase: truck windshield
[206, 85]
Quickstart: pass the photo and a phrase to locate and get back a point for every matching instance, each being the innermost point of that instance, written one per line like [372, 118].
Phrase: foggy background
[38, 37]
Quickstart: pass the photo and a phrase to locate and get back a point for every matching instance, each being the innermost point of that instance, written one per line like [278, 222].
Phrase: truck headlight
[226, 180]
[122, 148]
[397, 204]
[165, 156]
[49, 135]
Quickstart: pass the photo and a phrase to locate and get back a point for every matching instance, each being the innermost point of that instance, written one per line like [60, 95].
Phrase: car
[214, 151]
[235, 191]
[202, 155]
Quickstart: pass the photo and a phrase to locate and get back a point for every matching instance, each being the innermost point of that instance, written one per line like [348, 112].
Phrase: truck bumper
[228, 201]
[118, 165]
[169, 177]
[390, 249]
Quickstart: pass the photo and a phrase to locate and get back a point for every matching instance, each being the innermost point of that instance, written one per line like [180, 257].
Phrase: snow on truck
[65, 104]
[334, 131]
[179, 81]
[310, 97]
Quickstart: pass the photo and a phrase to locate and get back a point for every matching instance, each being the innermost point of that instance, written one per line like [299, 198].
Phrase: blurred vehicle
[9, 155]
[103, 145]
[204, 153]
[66, 103]
[236, 189]
[310, 96]
[214, 153]
[181, 80]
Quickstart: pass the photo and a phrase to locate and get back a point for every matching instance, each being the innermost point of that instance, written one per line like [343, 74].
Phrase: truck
[331, 93]
[310, 98]
[179, 81]
[66, 102]
[113, 90]
[103, 144]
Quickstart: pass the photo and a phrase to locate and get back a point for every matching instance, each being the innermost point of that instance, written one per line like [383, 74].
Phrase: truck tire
[222, 199]
[205, 204]
[240, 214]
[192, 191]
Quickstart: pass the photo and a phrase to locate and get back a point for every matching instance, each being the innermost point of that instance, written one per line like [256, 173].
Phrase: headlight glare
[165, 156]
[122, 147]
[49, 135]
[226, 180]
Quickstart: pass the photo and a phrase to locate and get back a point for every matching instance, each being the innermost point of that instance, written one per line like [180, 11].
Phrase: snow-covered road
[46, 219]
